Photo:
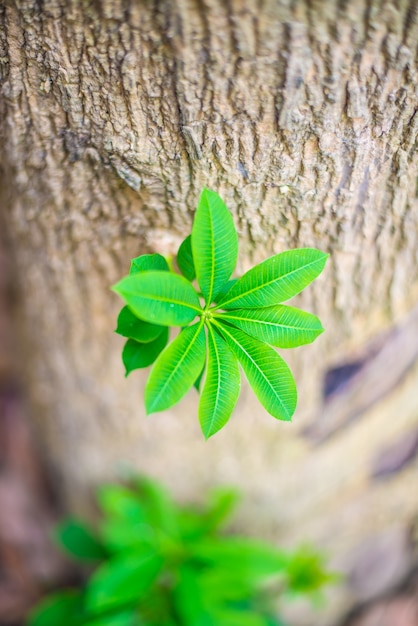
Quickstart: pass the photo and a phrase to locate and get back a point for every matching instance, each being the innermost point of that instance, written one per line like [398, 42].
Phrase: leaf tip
[116, 288]
[149, 409]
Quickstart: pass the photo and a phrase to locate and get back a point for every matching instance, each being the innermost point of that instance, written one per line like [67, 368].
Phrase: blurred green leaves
[159, 564]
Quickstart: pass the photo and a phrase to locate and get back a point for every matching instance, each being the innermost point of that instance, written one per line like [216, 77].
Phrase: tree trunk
[303, 116]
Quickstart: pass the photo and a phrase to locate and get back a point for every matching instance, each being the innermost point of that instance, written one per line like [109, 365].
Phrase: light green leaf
[306, 571]
[281, 326]
[267, 373]
[222, 386]
[79, 541]
[133, 328]
[161, 511]
[254, 560]
[118, 501]
[122, 580]
[176, 369]
[225, 585]
[276, 279]
[122, 536]
[222, 501]
[185, 259]
[160, 297]
[148, 262]
[137, 355]
[214, 244]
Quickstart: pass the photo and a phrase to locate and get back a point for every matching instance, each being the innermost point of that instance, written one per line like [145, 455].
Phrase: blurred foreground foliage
[153, 563]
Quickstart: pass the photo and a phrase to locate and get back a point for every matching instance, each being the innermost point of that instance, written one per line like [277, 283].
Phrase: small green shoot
[240, 322]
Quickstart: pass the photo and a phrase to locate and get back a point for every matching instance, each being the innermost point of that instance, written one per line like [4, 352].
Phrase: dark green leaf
[138, 355]
[281, 326]
[148, 262]
[160, 297]
[214, 244]
[267, 373]
[185, 259]
[276, 279]
[63, 608]
[125, 618]
[122, 580]
[133, 328]
[222, 386]
[176, 369]
[79, 541]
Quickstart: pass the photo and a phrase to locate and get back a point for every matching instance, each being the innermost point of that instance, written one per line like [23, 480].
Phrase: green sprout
[240, 322]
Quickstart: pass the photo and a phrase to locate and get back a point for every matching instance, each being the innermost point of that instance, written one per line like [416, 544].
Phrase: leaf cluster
[158, 564]
[224, 324]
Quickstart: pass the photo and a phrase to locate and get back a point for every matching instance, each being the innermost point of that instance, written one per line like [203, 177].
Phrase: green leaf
[254, 560]
[234, 617]
[222, 386]
[120, 502]
[267, 373]
[214, 244]
[79, 541]
[160, 297]
[188, 601]
[185, 259]
[138, 355]
[122, 580]
[176, 369]
[133, 328]
[120, 535]
[161, 511]
[306, 572]
[225, 586]
[281, 326]
[127, 618]
[148, 262]
[196, 523]
[222, 502]
[198, 380]
[224, 290]
[144, 505]
[63, 608]
[276, 279]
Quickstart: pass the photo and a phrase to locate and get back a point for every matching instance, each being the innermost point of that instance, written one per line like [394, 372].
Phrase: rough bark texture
[303, 116]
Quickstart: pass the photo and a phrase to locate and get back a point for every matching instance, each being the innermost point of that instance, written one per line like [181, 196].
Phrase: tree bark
[303, 116]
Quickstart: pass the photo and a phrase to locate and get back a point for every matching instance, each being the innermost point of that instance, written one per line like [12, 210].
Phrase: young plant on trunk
[240, 322]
